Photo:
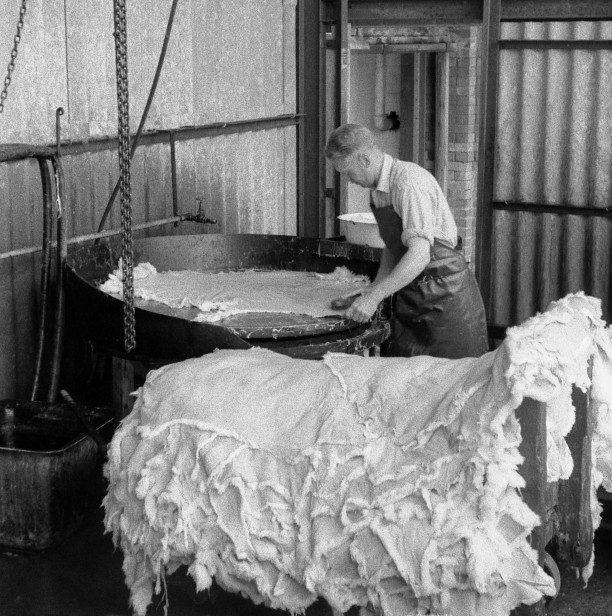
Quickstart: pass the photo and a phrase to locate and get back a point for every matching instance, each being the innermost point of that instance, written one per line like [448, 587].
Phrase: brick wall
[463, 137]
[464, 45]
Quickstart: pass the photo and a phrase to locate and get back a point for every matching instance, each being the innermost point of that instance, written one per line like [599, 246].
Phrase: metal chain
[127, 266]
[11, 64]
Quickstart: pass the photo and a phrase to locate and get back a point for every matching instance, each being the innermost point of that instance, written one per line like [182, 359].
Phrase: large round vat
[168, 334]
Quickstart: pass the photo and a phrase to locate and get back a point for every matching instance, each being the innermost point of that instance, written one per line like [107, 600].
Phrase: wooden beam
[405, 47]
[486, 145]
[442, 109]
[556, 10]
[564, 45]
[561, 210]
[380, 12]
[309, 95]
[414, 11]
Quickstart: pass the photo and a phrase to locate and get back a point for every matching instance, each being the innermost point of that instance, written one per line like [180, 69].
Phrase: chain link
[127, 266]
[11, 64]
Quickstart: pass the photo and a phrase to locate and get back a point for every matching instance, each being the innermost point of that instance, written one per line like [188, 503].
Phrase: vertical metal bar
[486, 145]
[62, 251]
[407, 101]
[419, 108]
[341, 100]
[173, 174]
[442, 95]
[323, 95]
[45, 273]
[308, 100]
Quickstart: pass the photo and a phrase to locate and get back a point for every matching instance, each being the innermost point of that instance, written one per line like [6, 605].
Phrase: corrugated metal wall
[553, 148]
[227, 60]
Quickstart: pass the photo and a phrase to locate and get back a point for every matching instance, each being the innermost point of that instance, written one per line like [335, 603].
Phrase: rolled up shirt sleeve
[416, 207]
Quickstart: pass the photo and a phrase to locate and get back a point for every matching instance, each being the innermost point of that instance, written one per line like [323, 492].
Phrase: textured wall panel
[227, 60]
[553, 148]
[538, 258]
[91, 66]
[555, 119]
[240, 179]
[237, 52]
[21, 223]
[38, 84]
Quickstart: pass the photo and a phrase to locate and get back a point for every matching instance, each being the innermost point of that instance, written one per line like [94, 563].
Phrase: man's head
[352, 151]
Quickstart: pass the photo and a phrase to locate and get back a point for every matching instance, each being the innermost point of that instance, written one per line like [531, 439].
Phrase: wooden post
[489, 81]
[575, 538]
[310, 104]
[123, 385]
[532, 417]
[442, 93]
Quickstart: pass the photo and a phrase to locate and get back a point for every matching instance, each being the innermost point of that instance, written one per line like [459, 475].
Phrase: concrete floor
[83, 577]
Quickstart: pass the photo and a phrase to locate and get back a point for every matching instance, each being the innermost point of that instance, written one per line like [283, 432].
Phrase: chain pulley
[127, 264]
[11, 64]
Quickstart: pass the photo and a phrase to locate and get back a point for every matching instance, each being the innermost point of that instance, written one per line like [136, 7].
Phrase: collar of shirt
[385, 174]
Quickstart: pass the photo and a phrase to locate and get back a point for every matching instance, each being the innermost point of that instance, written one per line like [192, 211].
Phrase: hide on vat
[389, 483]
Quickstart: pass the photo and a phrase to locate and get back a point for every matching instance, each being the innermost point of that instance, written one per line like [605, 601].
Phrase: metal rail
[561, 210]
[13, 152]
[545, 45]
[184, 133]
[93, 236]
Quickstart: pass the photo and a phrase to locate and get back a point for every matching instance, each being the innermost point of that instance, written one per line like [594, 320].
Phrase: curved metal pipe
[45, 270]
[62, 251]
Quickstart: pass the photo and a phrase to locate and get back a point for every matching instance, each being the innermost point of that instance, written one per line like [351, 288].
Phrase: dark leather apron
[440, 313]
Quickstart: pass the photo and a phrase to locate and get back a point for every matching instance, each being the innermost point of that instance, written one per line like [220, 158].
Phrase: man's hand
[364, 307]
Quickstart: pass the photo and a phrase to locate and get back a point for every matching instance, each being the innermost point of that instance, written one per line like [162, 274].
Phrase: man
[437, 306]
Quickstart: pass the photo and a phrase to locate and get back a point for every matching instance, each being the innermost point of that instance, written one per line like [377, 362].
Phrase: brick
[466, 174]
[463, 90]
[464, 193]
[464, 137]
[462, 147]
[463, 128]
[460, 119]
[461, 100]
[462, 71]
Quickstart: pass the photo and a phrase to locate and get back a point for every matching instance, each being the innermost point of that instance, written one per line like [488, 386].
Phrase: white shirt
[417, 198]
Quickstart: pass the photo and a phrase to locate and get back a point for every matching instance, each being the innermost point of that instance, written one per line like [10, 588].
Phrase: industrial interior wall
[227, 60]
[361, 111]
[553, 147]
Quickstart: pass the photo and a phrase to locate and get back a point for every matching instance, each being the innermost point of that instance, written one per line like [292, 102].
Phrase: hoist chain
[11, 64]
[127, 266]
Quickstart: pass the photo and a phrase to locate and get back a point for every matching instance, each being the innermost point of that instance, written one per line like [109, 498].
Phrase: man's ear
[364, 159]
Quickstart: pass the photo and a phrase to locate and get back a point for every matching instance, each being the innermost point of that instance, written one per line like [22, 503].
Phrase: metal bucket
[50, 472]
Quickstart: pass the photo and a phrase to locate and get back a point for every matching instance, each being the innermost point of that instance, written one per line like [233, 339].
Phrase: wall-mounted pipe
[381, 122]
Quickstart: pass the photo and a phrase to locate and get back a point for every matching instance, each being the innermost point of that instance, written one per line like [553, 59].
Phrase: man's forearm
[386, 265]
[406, 270]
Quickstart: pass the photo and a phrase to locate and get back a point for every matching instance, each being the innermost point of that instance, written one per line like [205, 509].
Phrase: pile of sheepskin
[389, 483]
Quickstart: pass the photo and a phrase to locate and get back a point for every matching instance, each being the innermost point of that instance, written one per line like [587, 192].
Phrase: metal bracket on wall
[330, 193]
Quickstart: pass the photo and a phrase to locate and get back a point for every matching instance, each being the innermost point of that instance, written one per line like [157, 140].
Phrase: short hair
[348, 139]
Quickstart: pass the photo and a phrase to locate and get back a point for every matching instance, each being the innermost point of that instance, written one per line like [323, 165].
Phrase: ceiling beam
[379, 12]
